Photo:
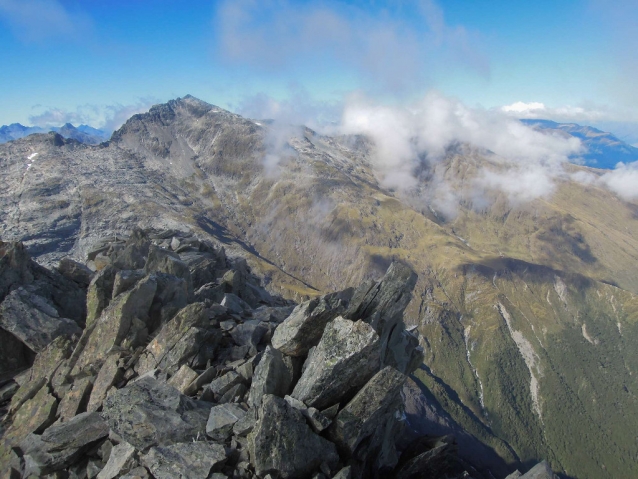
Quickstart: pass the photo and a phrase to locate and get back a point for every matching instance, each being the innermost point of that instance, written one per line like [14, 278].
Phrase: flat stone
[368, 409]
[33, 320]
[221, 420]
[110, 373]
[304, 327]
[272, 376]
[282, 443]
[148, 412]
[191, 460]
[60, 445]
[344, 360]
[75, 399]
[178, 341]
[182, 378]
[120, 461]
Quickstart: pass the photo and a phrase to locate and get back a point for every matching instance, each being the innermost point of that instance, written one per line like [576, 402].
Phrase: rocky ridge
[180, 364]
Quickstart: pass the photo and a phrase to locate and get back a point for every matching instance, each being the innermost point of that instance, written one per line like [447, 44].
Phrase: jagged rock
[191, 460]
[249, 333]
[134, 253]
[316, 420]
[182, 378]
[60, 445]
[514, 475]
[225, 383]
[170, 297]
[109, 374]
[204, 378]
[245, 424]
[44, 367]
[99, 293]
[136, 473]
[345, 473]
[282, 443]
[8, 391]
[212, 292]
[75, 271]
[273, 375]
[34, 416]
[177, 342]
[75, 399]
[148, 413]
[221, 420]
[125, 280]
[303, 328]
[234, 394]
[119, 322]
[367, 410]
[15, 265]
[120, 461]
[234, 303]
[431, 457]
[33, 320]
[272, 314]
[403, 351]
[539, 471]
[14, 354]
[344, 360]
[163, 261]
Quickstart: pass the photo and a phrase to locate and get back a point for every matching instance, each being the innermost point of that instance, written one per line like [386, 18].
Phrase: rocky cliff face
[187, 368]
[527, 313]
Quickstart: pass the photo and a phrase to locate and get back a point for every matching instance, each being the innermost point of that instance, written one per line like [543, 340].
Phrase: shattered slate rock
[99, 293]
[303, 328]
[109, 374]
[33, 320]
[125, 280]
[366, 412]
[190, 460]
[344, 360]
[221, 420]
[273, 375]
[249, 333]
[75, 271]
[75, 399]
[177, 342]
[60, 445]
[182, 378]
[234, 304]
[148, 413]
[120, 461]
[282, 443]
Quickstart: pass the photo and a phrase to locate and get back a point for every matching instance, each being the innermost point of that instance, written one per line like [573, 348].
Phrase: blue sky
[99, 62]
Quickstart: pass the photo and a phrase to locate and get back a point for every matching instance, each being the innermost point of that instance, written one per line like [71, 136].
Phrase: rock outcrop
[166, 382]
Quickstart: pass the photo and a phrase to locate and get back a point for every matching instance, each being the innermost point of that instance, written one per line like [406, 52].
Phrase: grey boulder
[221, 420]
[344, 360]
[282, 444]
[60, 445]
[189, 460]
[303, 328]
[148, 413]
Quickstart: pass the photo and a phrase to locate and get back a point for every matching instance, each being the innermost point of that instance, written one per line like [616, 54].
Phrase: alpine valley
[527, 313]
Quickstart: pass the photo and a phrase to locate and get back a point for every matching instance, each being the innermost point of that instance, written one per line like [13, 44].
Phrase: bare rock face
[344, 360]
[304, 327]
[149, 413]
[189, 460]
[33, 320]
[60, 445]
[368, 410]
[282, 443]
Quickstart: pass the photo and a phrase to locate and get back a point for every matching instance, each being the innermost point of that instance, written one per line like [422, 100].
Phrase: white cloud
[41, 20]
[623, 180]
[385, 51]
[105, 117]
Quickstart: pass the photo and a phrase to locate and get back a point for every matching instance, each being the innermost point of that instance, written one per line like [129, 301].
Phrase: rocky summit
[517, 337]
[165, 358]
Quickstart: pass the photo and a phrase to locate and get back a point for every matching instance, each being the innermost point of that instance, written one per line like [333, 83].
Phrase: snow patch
[619, 326]
[32, 156]
[532, 361]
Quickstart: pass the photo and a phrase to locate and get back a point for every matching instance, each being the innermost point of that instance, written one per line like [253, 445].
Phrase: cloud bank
[408, 138]
[105, 117]
[386, 51]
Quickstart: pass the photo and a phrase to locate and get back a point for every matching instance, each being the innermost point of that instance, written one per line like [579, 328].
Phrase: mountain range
[603, 150]
[528, 312]
[83, 133]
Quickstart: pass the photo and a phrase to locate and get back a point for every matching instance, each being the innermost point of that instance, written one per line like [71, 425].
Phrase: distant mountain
[528, 312]
[83, 133]
[604, 150]
[16, 130]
